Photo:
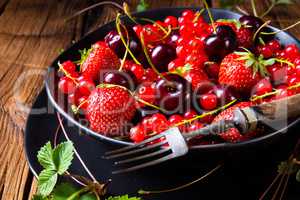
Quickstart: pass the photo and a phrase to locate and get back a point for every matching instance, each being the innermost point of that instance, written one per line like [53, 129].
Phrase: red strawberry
[242, 70]
[99, 57]
[233, 134]
[109, 109]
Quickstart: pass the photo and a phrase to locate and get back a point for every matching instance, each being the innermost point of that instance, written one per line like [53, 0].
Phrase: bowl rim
[96, 135]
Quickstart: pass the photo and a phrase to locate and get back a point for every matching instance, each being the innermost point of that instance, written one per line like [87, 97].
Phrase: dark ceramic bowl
[60, 103]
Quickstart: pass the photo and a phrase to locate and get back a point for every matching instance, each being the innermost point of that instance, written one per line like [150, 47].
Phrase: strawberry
[109, 109]
[242, 70]
[233, 134]
[99, 57]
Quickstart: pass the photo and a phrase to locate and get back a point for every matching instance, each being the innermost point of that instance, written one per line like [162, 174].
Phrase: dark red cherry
[120, 78]
[224, 94]
[173, 93]
[225, 32]
[161, 55]
[113, 40]
[251, 21]
[173, 38]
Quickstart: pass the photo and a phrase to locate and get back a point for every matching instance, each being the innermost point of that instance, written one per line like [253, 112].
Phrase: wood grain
[31, 34]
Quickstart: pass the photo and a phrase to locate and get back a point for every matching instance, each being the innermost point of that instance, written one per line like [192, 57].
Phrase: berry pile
[139, 81]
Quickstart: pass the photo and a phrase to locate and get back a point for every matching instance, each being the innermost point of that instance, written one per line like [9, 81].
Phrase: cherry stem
[94, 6]
[285, 186]
[241, 10]
[260, 28]
[270, 187]
[127, 12]
[198, 14]
[279, 186]
[145, 192]
[148, 57]
[254, 8]
[126, 52]
[209, 15]
[118, 22]
[75, 151]
[285, 29]
[268, 10]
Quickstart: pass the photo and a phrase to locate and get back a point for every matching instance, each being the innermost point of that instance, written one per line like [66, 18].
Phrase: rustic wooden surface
[31, 34]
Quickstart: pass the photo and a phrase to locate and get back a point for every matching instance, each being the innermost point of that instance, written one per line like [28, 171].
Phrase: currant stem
[209, 15]
[75, 151]
[67, 74]
[270, 187]
[94, 6]
[254, 8]
[145, 192]
[285, 29]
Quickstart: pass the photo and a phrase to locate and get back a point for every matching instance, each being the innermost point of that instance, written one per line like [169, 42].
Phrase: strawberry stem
[285, 29]
[147, 192]
[118, 22]
[209, 15]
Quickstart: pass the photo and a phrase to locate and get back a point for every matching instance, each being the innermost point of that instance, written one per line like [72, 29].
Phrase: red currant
[174, 64]
[171, 21]
[138, 71]
[175, 119]
[159, 123]
[195, 126]
[69, 66]
[66, 85]
[188, 14]
[190, 114]
[137, 133]
[266, 51]
[86, 86]
[146, 92]
[208, 101]
[291, 51]
[274, 45]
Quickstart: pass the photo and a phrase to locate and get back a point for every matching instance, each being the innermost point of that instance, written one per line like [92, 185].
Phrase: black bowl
[60, 103]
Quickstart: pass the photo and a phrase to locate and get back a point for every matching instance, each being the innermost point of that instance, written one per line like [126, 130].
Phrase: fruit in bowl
[184, 71]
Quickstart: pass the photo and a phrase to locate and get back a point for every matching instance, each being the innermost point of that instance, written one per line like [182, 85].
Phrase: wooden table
[31, 34]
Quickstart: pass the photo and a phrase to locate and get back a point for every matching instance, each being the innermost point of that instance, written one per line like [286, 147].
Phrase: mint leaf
[298, 176]
[63, 156]
[45, 157]
[46, 182]
[63, 191]
[124, 197]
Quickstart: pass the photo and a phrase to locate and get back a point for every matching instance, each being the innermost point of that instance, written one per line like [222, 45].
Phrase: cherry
[161, 55]
[173, 38]
[251, 22]
[221, 43]
[113, 40]
[85, 86]
[173, 93]
[262, 87]
[137, 133]
[208, 101]
[224, 93]
[212, 70]
[171, 21]
[66, 85]
[120, 78]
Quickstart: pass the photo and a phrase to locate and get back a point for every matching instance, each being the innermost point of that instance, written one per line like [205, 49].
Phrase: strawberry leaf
[46, 182]
[268, 62]
[249, 63]
[45, 157]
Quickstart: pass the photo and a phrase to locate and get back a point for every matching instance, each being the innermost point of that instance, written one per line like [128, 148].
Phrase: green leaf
[63, 191]
[284, 2]
[249, 63]
[142, 6]
[88, 196]
[46, 182]
[45, 156]
[298, 176]
[63, 156]
[39, 197]
[124, 197]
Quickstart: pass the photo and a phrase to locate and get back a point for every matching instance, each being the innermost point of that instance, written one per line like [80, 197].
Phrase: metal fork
[173, 144]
